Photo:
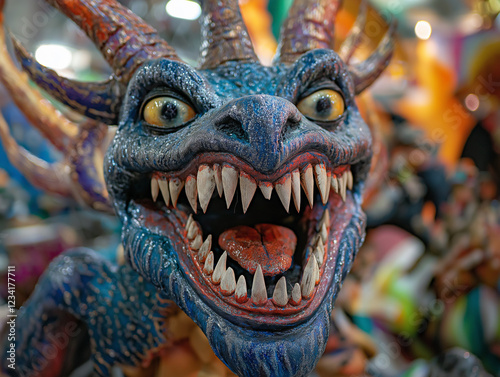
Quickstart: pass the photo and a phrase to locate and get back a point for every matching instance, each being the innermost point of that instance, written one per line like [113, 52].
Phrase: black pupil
[324, 106]
[169, 111]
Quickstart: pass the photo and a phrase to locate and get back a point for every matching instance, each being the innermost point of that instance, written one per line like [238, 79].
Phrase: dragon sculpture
[257, 269]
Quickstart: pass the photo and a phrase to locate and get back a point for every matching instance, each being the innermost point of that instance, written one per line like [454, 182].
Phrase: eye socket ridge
[166, 110]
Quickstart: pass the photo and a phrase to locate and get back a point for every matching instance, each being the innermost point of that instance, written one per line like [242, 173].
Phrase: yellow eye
[324, 105]
[167, 112]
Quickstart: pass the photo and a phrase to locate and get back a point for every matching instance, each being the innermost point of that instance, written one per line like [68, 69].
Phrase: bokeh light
[423, 30]
[184, 9]
[54, 56]
[472, 102]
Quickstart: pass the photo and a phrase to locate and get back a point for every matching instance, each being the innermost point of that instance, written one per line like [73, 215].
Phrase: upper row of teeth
[225, 179]
[225, 276]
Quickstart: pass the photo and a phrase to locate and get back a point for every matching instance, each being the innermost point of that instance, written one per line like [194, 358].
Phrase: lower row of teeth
[226, 178]
[225, 277]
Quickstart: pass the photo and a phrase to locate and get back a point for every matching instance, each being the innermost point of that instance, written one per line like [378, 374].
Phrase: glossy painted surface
[246, 120]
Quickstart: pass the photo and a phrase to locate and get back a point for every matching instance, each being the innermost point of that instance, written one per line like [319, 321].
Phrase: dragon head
[239, 185]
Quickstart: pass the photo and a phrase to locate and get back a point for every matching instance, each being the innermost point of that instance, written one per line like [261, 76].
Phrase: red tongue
[271, 246]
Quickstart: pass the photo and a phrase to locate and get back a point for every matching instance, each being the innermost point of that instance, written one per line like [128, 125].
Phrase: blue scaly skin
[82, 295]
[243, 340]
[245, 345]
[188, 134]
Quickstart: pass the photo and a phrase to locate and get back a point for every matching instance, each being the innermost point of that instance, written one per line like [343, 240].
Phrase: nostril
[292, 123]
[232, 128]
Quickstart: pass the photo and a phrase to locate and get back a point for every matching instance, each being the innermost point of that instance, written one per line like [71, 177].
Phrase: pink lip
[171, 222]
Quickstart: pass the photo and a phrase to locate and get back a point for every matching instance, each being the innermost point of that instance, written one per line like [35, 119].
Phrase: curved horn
[224, 35]
[353, 40]
[123, 38]
[52, 124]
[100, 101]
[79, 173]
[309, 25]
[50, 177]
[367, 71]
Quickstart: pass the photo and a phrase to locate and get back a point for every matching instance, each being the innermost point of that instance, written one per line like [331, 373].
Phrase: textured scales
[247, 123]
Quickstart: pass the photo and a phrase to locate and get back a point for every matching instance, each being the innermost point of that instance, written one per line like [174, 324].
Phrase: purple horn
[100, 101]
[124, 40]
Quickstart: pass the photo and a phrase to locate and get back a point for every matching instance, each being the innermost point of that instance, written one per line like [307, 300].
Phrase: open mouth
[252, 245]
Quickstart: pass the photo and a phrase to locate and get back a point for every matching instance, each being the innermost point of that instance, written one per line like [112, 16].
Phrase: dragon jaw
[288, 249]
